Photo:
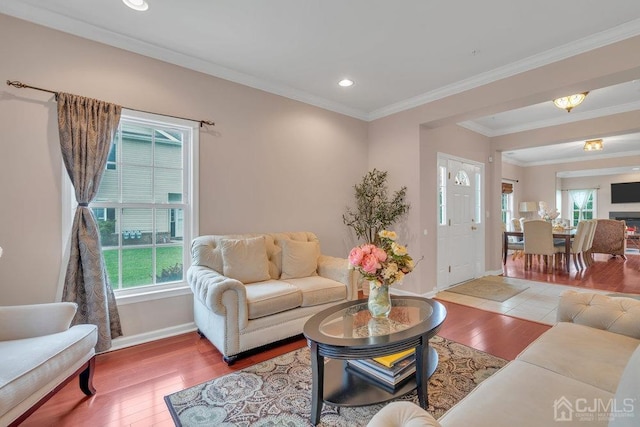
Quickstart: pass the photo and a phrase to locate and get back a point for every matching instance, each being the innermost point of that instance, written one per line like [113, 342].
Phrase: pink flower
[380, 254]
[368, 248]
[370, 264]
[355, 256]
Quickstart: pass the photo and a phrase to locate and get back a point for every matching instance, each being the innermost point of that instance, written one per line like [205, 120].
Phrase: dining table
[566, 234]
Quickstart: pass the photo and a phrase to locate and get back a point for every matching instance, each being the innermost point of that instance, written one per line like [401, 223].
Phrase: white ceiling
[399, 53]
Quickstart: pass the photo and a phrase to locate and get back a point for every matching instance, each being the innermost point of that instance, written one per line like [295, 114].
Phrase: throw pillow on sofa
[245, 259]
[299, 259]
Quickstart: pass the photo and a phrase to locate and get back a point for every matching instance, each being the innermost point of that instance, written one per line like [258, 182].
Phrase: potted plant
[374, 210]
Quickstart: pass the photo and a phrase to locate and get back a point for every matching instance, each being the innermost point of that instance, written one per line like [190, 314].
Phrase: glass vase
[379, 303]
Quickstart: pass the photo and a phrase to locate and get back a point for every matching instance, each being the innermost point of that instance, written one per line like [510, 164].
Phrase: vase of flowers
[382, 265]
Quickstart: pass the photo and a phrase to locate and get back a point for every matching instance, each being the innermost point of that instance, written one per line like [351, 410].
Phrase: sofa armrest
[36, 320]
[210, 287]
[338, 269]
[403, 414]
[615, 314]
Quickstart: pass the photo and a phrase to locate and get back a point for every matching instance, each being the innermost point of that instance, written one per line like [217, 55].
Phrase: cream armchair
[40, 354]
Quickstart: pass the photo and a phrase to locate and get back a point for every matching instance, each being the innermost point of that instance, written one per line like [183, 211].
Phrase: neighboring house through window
[146, 205]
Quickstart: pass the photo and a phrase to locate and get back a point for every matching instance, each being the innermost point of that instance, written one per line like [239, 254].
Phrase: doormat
[494, 288]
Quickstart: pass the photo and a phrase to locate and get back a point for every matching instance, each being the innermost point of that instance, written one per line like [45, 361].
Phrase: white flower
[391, 235]
[398, 250]
[390, 270]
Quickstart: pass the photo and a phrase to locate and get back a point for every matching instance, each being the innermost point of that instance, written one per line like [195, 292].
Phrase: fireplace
[632, 219]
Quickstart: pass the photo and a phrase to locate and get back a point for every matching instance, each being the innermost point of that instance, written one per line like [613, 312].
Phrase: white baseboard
[128, 341]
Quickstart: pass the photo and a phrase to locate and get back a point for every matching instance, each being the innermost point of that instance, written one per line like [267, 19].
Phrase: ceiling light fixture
[571, 101]
[593, 145]
[345, 83]
[139, 5]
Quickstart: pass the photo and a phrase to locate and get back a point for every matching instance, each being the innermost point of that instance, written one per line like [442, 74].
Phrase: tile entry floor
[537, 303]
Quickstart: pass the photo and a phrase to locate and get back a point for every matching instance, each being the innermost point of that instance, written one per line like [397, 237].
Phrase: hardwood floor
[607, 273]
[132, 382]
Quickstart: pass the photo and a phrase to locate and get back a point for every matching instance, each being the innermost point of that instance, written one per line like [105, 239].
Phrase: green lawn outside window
[138, 265]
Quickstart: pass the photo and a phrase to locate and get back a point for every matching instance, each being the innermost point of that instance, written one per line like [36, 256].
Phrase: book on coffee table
[377, 373]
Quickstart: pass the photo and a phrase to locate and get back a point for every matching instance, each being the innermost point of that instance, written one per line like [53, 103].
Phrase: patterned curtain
[86, 128]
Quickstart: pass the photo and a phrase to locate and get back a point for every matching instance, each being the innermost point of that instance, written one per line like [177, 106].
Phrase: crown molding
[82, 29]
[604, 38]
[477, 127]
[48, 18]
[592, 156]
[560, 120]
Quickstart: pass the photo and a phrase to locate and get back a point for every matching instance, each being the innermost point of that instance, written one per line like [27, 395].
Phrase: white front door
[461, 229]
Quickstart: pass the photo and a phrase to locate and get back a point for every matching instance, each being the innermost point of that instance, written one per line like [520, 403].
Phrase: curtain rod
[580, 189]
[20, 85]
[510, 179]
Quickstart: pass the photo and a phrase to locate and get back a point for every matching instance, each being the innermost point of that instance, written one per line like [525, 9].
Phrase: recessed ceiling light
[140, 5]
[345, 83]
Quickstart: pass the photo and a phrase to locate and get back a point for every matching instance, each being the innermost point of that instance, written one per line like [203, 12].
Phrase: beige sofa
[584, 371]
[40, 353]
[251, 290]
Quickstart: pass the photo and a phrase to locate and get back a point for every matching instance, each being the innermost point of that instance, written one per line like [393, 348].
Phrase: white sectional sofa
[40, 353]
[251, 290]
[584, 371]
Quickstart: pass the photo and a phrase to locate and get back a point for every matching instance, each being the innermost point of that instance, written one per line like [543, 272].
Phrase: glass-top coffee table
[347, 331]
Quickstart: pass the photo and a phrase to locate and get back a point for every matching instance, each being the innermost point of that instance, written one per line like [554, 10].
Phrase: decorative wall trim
[60, 22]
[129, 341]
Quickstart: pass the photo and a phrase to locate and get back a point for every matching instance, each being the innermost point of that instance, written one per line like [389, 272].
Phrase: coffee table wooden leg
[317, 388]
[422, 352]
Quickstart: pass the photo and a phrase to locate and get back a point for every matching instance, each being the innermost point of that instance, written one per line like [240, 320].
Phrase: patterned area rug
[277, 392]
[494, 288]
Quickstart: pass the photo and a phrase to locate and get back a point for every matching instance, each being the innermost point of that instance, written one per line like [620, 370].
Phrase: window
[442, 195]
[582, 205]
[146, 205]
[462, 179]
[506, 204]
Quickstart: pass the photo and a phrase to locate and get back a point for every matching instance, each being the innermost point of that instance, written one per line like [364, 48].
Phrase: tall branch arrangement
[374, 210]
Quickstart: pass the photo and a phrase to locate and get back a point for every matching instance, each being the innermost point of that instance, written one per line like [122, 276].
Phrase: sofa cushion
[270, 297]
[318, 290]
[402, 413]
[299, 259]
[628, 395]
[245, 259]
[31, 363]
[590, 355]
[524, 395]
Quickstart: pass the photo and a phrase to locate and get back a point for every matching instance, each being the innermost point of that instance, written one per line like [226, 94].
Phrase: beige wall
[269, 164]
[601, 67]
[540, 183]
[603, 185]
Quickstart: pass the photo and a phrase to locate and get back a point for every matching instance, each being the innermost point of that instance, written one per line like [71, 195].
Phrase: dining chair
[517, 246]
[587, 257]
[579, 243]
[538, 240]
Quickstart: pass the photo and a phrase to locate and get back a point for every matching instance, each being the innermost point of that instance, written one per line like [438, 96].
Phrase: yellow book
[392, 359]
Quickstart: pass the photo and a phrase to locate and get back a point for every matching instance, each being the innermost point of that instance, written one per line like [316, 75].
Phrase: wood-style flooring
[132, 382]
[607, 273]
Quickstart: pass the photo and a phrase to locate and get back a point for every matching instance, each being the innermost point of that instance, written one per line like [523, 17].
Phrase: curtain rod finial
[15, 83]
